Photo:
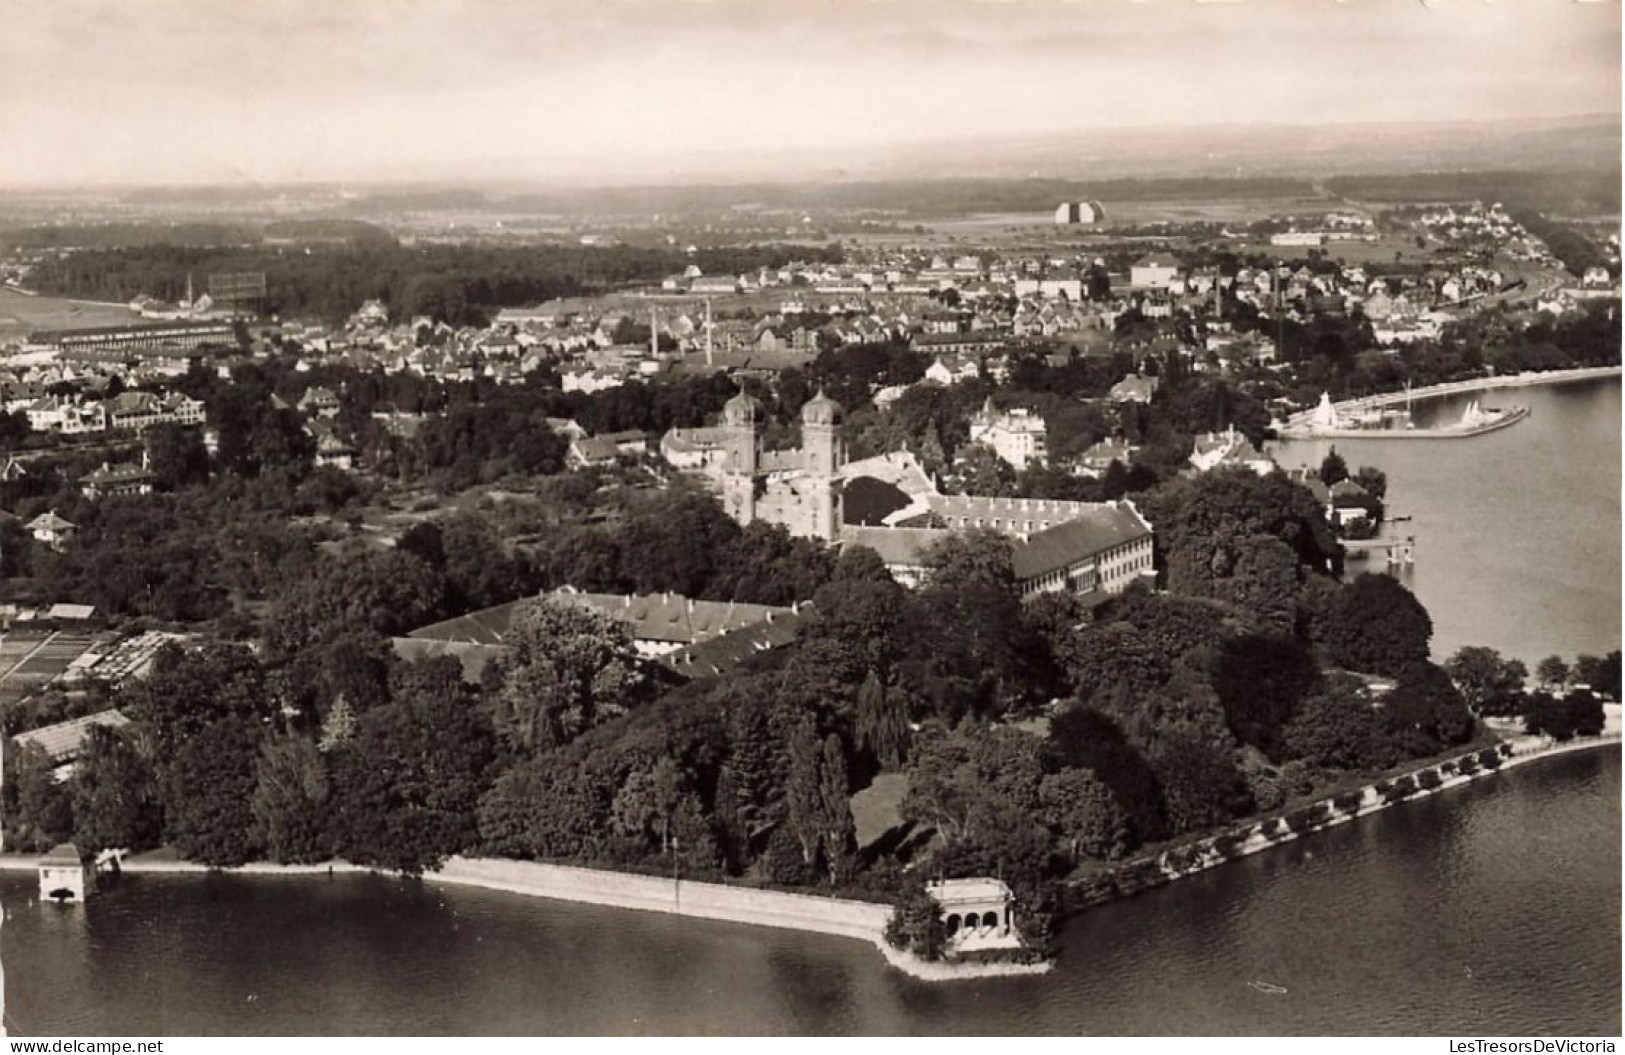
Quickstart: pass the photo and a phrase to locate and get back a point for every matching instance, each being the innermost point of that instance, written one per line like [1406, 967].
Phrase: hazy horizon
[358, 91]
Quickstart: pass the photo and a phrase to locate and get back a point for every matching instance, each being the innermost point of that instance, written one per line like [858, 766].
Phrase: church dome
[742, 410]
[820, 410]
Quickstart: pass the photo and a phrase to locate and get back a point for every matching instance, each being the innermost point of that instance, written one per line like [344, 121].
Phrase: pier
[1304, 424]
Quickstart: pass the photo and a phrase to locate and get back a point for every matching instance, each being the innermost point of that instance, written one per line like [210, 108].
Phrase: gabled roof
[721, 654]
[652, 617]
[49, 522]
[900, 547]
[63, 741]
[1102, 528]
[116, 474]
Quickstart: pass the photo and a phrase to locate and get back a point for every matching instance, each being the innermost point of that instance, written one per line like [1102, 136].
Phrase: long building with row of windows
[1086, 548]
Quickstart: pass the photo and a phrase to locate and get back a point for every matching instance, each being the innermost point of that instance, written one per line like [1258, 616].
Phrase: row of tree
[456, 284]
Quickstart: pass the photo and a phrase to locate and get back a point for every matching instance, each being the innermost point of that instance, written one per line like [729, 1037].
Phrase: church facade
[1081, 547]
[799, 489]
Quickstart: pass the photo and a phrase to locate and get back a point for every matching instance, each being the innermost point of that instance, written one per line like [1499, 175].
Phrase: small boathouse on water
[63, 876]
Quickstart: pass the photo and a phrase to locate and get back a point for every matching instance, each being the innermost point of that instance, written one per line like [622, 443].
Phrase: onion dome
[743, 410]
[820, 410]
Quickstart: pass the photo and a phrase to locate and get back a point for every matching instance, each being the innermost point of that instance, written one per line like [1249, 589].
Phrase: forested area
[1032, 738]
[453, 284]
[1177, 711]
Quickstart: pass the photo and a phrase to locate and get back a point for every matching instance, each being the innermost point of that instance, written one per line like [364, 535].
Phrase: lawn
[875, 808]
[21, 314]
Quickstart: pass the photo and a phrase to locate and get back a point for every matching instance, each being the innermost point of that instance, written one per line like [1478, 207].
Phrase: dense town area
[825, 549]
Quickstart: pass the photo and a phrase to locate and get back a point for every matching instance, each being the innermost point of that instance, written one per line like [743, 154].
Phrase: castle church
[1087, 548]
[798, 489]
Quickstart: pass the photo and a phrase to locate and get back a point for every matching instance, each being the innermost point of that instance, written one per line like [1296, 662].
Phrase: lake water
[1517, 531]
[1489, 909]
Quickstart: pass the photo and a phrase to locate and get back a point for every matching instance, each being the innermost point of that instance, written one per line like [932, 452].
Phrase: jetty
[1360, 420]
[1363, 418]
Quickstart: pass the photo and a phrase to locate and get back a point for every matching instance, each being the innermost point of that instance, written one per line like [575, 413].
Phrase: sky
[212, 91]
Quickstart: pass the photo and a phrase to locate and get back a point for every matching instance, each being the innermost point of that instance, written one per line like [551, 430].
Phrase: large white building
[1070, 212]
[1016, 435]
[1153, 272]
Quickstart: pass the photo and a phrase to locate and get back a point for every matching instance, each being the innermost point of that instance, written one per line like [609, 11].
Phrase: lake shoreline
[1525, 379]
[862, 921]
[1157, 870]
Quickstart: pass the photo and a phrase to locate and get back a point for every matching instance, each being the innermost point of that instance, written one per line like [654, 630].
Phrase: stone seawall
[1146, 873]
[863, 920]
[837, 917]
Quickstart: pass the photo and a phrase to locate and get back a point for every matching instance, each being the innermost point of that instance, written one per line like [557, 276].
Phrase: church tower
[823, 457]
[742, 417]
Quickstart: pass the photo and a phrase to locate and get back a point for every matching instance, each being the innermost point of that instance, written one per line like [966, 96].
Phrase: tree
[1337, 728]
[756, 762]
[1545, 715]
[206, 712]
[647, 803]
[1375, 481]
[1201, 783]
[1084, 813]
[837, 832]
[1488, 683]
[1087, 738]
[1375, 626]
[984, 657]
[39, 810]
[1261, 579]
[1552, 673]
[1577, 713]
[1425, 712]
[803, 791]
[1586, 713]
[116, 804]
[406, 786]
[1600, 674]
[291, 800]
[208, 784]
[1333, 468]
[339, 725]
[882, 722]
[916, 921]
[961, 782]
[1259, 680]
[1201, 520]
[176, 456]
[564, 668]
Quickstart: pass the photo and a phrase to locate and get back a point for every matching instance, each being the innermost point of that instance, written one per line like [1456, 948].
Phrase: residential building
[691, 638]
[1153, 272]
[1016, 435]
[65, 741]
[51, 529]
[1229, 448]
[1098, 553]
[116, 480]
[1134, 388]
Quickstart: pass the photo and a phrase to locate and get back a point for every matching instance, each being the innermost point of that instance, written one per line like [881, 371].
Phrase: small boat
[1267, 987]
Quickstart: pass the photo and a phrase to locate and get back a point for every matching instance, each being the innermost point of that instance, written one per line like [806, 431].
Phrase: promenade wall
[863, 920]
[1476, 384]
[1145, 873]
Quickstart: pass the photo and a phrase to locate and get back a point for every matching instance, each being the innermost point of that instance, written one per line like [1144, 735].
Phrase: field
[21, 314]
[1387, 249]
[30, 659]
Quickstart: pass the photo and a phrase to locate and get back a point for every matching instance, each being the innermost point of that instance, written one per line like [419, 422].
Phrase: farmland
[31, 659]
[21, 314]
